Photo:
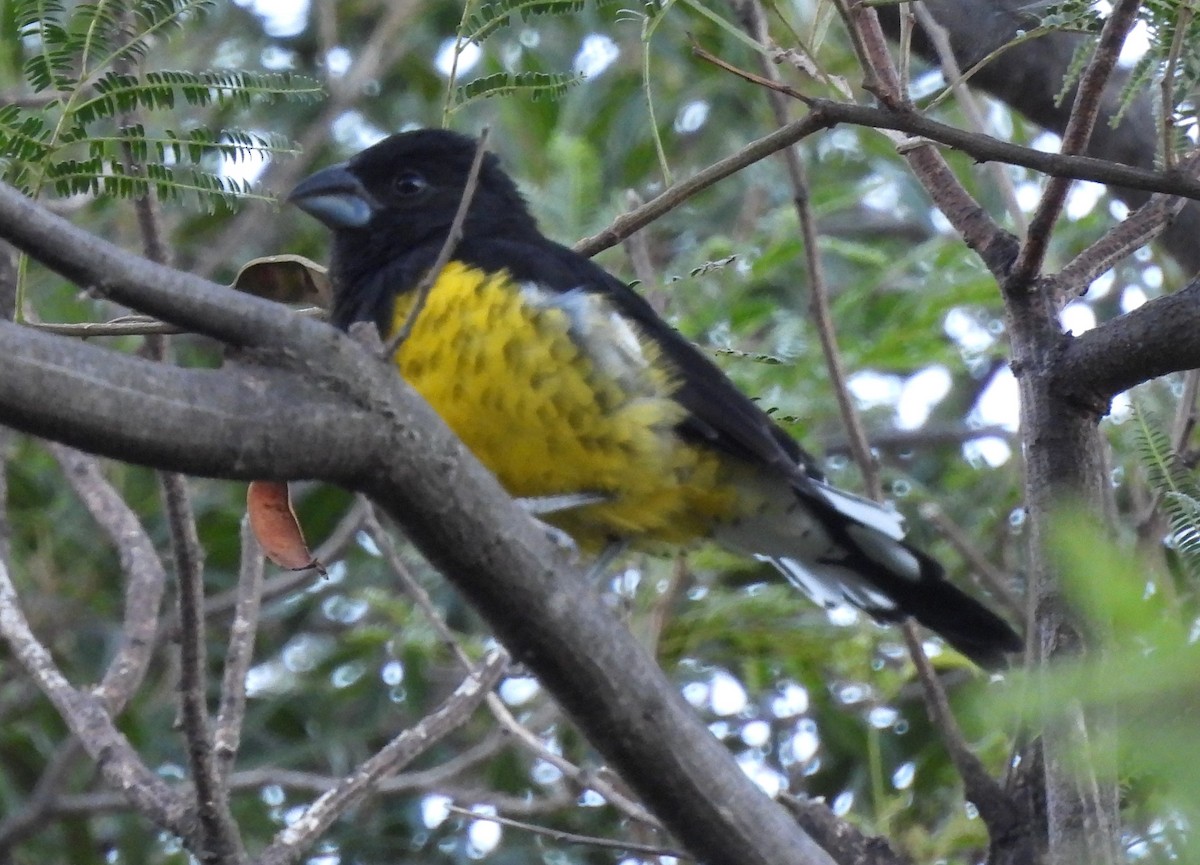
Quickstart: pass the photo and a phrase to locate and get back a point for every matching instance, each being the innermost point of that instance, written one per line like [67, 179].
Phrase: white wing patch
[869, 513]
[787, 534]
[829, 585]
[890, 555]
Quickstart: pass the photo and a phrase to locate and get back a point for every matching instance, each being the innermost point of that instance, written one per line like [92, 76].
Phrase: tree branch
[345, 417]
[239, 653]
[1084, 112]
[571, 837]
[982, 147]
[86, 717]
[496, 706]
[1157, 338]
[439, 778]
[853, 845]
[754, 21]
[291, 843]
[145, 577]
[627, 223]
[219, 841]
[999, 812]
[1028, 76]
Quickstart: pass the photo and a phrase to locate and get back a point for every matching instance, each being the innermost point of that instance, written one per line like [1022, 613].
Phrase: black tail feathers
[955, 616]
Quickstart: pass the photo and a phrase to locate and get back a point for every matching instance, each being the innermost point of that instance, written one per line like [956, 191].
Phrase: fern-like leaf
[535, 85]
[1140, 79]
[1185, 523]
[492, 16]
[117, 93]
[1173, 481]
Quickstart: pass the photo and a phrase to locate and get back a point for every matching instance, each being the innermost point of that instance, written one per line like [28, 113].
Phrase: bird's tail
[839, 548]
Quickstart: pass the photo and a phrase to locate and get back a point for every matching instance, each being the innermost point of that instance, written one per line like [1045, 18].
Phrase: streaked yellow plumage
[558, 395]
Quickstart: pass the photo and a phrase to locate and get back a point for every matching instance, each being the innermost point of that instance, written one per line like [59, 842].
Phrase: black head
[401, 194]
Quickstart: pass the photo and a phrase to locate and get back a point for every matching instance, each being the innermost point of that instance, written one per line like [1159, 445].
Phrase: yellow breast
[558, 394]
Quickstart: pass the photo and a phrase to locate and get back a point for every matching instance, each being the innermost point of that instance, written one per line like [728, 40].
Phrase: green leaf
[535, 85]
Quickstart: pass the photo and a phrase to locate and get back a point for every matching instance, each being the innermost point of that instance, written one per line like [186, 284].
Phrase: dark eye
[409, 183]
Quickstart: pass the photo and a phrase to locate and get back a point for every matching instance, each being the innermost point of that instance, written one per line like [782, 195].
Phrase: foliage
[822, 704]
[81, 140]
[1147, 683]
[1171, 479]
[1171, 27]
[481, 21]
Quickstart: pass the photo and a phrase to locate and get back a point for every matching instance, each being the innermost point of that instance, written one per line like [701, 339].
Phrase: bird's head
[402, 194]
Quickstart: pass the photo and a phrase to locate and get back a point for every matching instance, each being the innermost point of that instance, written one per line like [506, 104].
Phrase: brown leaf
[275, 526]
[285, 279]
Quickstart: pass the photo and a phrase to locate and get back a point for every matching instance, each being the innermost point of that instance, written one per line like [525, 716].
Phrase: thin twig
[1075, 139]
[664, 605]
[637, 249]
[994, 805]
[220, 841]
[240, 653]
[496, 706]
[253, 780]
[940, 39]
[1123, 239]
[86, 717]
[146, 205]
[818, 290]
[771, 83]
[145, 580]
[40, 802]
[132, 325]
[145, 576]
[290, 844]
[986, 574]
[582, 778]
[448, 246]
[627, 223]
[420, 597]
[440, 778]
[1185, 415]
[571, 837]
[907, 19]
[1182, 25]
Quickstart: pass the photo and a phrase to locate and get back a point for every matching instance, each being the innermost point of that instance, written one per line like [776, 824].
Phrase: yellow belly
[557, 395]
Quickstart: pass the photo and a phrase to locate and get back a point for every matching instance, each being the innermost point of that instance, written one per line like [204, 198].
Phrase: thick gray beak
[336, 197]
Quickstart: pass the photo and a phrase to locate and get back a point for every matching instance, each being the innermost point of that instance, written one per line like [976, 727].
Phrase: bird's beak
[336, 197]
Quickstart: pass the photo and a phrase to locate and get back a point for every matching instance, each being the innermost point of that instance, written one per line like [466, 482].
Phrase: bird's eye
[409, 183]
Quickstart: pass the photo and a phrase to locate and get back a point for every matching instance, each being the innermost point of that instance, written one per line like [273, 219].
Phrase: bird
[569, 388]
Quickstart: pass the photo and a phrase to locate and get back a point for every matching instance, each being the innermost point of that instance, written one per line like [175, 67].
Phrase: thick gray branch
[1157, 338]
[240, 422]
[173, 296]
[388, 443]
